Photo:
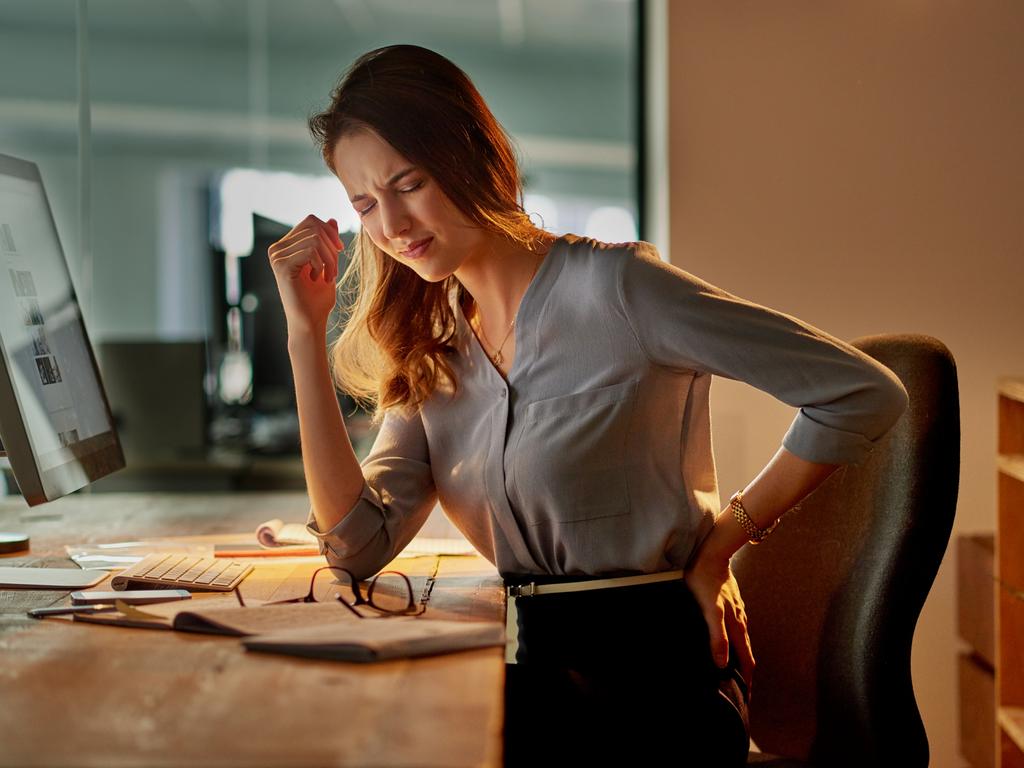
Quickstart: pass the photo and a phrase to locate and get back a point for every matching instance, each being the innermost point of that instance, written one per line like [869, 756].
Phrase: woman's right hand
[305, 265]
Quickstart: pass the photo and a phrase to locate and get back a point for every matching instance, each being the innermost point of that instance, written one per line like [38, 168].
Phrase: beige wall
[860, 165]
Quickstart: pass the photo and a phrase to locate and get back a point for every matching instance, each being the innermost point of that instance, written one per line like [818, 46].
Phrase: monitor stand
[37, 578]
[49, 578]
[9, 542]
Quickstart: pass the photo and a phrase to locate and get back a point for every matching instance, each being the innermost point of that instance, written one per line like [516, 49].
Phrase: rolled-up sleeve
[397, 496]
[847, 400]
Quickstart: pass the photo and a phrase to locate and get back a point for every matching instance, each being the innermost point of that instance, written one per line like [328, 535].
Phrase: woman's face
[401, 207]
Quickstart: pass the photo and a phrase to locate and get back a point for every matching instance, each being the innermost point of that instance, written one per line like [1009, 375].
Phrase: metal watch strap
[754, 534]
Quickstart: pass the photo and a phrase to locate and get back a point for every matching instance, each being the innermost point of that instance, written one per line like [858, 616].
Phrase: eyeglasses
[388, 592]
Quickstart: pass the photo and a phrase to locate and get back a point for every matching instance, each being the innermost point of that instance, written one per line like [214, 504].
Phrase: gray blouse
[595, 456]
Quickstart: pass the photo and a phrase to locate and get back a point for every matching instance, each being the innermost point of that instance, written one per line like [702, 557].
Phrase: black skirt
[621, 676]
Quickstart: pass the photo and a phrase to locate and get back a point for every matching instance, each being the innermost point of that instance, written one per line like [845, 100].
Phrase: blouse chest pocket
[570, 459]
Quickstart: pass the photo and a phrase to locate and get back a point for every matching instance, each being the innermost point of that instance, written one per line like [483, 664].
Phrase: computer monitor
[55, 422]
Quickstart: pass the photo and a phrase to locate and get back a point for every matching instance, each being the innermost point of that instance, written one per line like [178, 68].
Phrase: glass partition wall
[172, 140]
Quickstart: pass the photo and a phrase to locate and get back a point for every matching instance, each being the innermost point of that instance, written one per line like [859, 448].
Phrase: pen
[282, 552]
[38, 613]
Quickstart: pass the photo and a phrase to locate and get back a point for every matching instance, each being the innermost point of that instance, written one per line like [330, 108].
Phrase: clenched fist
[305, 264]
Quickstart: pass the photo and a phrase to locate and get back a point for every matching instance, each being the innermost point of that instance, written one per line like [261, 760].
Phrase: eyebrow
[392, 180]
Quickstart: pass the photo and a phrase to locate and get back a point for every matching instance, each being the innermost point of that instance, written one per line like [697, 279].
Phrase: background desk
[80, 694]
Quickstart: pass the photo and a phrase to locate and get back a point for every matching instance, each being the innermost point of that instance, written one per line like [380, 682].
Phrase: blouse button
[501, 393]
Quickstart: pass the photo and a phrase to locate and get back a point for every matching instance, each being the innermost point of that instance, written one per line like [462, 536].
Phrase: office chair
[834, 594]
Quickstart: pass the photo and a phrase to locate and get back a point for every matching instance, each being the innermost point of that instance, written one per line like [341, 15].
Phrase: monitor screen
[55, 423]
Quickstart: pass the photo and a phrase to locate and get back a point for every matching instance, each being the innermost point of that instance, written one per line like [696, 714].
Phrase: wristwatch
[755, 535]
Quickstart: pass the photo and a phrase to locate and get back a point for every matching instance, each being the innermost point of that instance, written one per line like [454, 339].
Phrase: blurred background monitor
[156, 397]
[55, 423]
[264, 332]
[254, 408]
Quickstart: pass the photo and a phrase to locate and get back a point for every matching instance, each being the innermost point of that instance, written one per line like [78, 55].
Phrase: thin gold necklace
[497, 357]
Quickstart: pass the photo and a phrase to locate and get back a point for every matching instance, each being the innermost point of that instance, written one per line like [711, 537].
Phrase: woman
[552, 393]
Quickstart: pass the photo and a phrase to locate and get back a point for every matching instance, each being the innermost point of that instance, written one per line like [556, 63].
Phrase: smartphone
[132, 597]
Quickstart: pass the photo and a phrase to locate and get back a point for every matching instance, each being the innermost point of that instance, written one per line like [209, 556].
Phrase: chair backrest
[834, 594]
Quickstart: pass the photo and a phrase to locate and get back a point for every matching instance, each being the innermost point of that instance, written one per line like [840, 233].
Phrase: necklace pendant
[497, 358]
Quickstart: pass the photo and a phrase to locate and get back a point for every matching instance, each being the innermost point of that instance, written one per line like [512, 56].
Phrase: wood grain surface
[76, 694]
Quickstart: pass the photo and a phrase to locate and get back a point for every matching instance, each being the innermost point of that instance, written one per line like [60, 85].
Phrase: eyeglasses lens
[391, 593]
[328, 585]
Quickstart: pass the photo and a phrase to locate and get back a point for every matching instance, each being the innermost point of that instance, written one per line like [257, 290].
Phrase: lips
[417, 248]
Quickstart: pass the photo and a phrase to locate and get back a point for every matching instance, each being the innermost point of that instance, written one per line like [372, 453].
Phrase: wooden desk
[77, 694]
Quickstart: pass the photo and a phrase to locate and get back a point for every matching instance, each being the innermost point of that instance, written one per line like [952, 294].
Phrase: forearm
[782, 484]
[334, 478]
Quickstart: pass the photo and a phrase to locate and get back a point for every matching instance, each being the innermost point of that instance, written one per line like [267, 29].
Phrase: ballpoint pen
[38, 613]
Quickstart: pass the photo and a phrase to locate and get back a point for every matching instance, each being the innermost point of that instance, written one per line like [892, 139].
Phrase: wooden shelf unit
[1009, 586]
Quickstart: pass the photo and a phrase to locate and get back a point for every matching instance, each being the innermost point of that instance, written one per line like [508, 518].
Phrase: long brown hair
[399, 327]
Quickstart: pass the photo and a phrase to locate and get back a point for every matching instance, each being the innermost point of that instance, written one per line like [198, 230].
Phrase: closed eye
[403, 190]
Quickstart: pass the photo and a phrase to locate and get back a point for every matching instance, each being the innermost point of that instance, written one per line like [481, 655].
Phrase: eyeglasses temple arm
[351, 608]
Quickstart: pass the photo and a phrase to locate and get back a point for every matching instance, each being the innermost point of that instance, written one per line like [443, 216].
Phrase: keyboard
[179, 571]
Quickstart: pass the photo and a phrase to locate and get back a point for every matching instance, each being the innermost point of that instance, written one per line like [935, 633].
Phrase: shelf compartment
[1010, 542]
[1010, 630]
[1011, 465]
[1012, 389]
[1011, 423]
[1011, 728]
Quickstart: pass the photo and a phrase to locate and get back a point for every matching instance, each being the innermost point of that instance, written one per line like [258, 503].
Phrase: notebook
[314, 630]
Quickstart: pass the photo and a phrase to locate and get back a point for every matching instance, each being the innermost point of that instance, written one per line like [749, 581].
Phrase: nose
[394, 220]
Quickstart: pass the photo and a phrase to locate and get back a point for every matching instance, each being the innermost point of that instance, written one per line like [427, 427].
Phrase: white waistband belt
[533, 588]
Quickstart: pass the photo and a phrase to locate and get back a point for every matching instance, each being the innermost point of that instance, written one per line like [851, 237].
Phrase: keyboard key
[211, 573]
[165, 566]
[148, 563]
[230, 573]
[180, 568]
[197, 569]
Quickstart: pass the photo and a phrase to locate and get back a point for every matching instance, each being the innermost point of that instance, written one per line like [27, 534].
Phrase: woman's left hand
[712, 583]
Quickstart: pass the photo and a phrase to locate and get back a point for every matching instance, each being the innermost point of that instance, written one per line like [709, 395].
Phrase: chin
[431, 276]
